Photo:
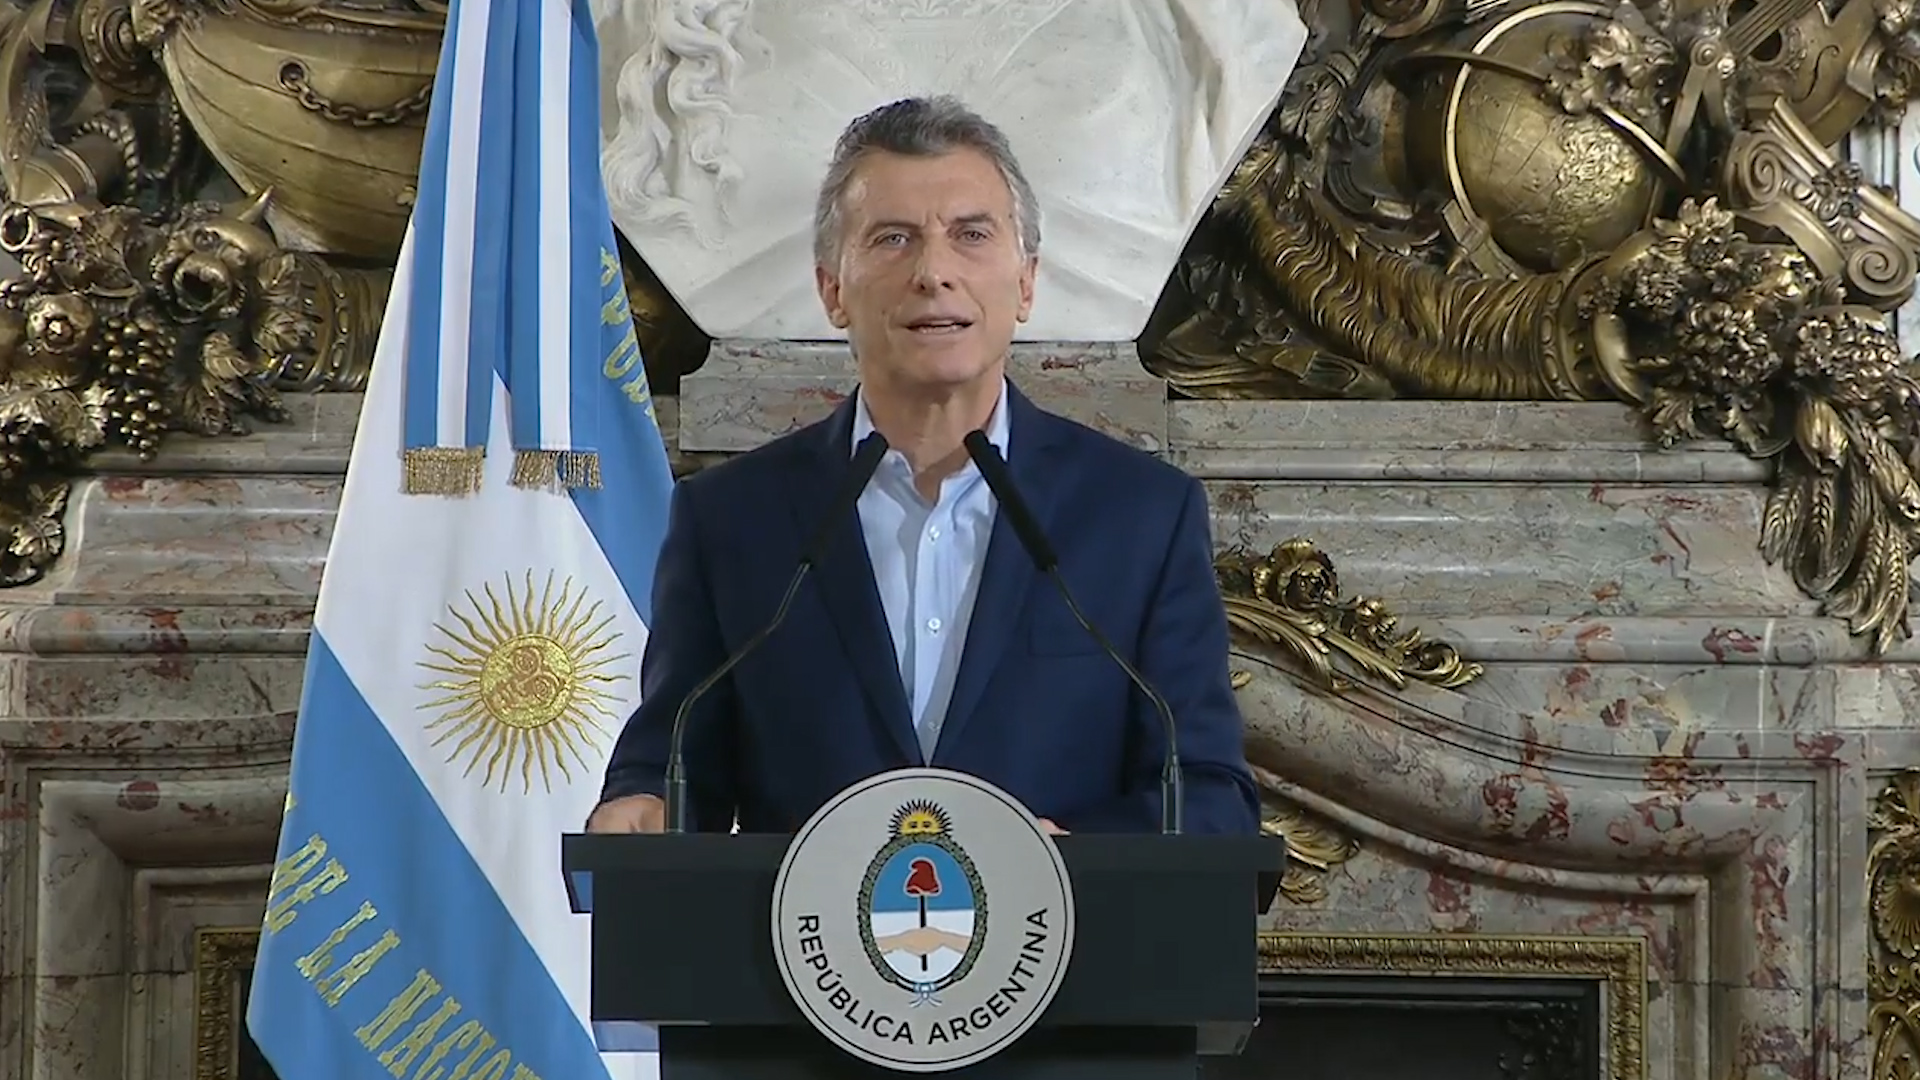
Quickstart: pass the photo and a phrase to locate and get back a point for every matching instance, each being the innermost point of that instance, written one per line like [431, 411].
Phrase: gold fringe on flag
[547, 468]
[443, 470]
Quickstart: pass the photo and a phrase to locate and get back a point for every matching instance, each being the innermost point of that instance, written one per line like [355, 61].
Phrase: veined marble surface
[1669, 743]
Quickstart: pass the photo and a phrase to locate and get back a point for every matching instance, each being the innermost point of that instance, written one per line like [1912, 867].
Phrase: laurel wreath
[865, 902]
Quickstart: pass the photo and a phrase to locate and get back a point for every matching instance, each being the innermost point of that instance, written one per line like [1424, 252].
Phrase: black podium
[1164, 965]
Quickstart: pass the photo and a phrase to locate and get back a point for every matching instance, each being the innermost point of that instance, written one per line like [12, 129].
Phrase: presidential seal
[944, 942]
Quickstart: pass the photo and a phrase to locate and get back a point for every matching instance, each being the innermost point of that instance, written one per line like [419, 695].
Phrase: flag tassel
[443, 470]
[570, 469]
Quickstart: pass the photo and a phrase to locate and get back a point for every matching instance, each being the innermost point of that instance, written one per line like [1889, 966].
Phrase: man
[926, 636]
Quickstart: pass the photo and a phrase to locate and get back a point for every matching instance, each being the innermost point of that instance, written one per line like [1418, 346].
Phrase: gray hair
[920, 127]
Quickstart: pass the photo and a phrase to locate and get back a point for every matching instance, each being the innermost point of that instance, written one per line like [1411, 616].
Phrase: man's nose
[933, 268]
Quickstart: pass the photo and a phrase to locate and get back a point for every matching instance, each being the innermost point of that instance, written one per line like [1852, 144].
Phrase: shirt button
[933, 625]
[933, 533]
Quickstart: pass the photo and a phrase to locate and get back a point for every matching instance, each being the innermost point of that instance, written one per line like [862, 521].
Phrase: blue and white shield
[921, 918]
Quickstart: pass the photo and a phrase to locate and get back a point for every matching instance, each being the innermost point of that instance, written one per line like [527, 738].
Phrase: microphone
[866, 459]
[993, 468]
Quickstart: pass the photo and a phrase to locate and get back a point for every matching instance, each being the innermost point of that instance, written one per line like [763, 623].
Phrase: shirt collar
[997, 424]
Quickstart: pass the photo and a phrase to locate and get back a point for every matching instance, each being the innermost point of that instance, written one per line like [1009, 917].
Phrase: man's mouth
[938, 326]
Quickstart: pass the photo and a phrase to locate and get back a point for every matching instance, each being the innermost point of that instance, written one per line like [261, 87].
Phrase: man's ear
[1027, 273]
[828, 284]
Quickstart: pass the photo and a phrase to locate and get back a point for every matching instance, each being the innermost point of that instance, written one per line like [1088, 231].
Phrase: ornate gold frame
[220, 953]
[1619, 964]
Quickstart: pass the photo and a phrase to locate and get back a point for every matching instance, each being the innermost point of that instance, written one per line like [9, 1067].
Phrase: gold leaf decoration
[1290, 600]
[1893, 891]
[1314, 848]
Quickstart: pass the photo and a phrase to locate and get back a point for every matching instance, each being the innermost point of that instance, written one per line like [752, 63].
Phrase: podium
[1164, 966]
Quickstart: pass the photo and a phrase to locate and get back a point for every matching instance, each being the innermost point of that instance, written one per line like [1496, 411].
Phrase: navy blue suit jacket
[1037, 708]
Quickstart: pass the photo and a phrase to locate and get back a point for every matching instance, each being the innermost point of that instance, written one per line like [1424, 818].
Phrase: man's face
[931, 280]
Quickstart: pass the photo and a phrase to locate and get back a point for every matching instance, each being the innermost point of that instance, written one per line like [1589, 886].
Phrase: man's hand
[633, 814]
[1048, 825]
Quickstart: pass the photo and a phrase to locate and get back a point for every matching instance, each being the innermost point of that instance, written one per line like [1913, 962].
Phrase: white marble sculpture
[1127, 115]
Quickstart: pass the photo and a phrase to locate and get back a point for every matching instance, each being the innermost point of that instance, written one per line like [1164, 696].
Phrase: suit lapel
[845, 580]
[1008, 572]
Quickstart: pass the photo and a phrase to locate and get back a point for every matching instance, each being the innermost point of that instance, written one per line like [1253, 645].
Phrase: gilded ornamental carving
[1572, 200]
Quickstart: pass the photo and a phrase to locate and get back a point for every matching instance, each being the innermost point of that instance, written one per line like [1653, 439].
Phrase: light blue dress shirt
[927, 559]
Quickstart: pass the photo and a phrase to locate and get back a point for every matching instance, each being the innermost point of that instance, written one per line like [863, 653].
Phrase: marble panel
[115, 840]
[749, 392]
[1721, 850]
[1536, 549]
[1675, 699]
[194, 541]
[1439, 441]
[169, 907]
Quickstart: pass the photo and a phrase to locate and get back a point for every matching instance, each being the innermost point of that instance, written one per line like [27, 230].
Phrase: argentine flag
[476, 646]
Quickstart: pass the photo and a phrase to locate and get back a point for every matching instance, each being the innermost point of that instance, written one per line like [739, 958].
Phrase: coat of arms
[923, 909]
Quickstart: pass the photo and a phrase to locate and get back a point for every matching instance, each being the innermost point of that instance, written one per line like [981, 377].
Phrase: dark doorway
[1332, 1027]
[252, 1064]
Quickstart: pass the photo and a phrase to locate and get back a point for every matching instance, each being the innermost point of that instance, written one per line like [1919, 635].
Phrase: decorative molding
[221, 956]
[1315, 846]
[1289, 602]
[1893, 914]
[1619, 964]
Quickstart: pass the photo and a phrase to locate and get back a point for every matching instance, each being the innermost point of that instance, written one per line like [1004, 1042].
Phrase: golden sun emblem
[527, 681]
[921, 818]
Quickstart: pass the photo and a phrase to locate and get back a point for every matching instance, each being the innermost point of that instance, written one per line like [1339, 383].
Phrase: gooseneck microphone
[866, 459]
[993, 468]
